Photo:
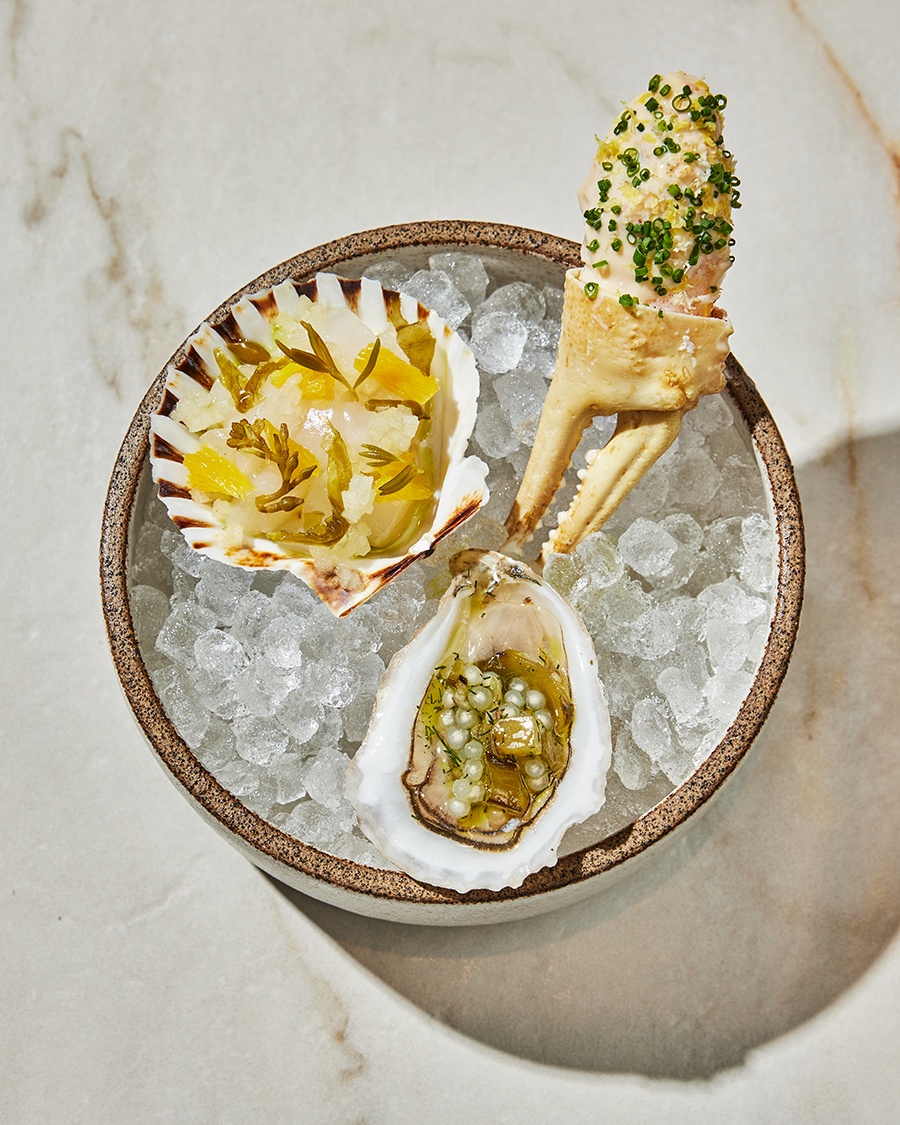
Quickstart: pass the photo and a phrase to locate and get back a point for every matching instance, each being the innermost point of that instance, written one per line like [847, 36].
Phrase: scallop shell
[459, 481]
[493, 606]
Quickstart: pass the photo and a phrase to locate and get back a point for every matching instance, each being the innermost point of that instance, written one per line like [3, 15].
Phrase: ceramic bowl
[516, 254]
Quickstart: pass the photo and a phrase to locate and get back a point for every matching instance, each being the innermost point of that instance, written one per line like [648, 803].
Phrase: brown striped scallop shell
[459, 480]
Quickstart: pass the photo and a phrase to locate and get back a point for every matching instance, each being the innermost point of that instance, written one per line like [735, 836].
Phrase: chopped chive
[627, 300]
[651, 104]
[593, 246]
[591, 289]
[654, 82]
[616, 244]
[664, 91]
[681, 102]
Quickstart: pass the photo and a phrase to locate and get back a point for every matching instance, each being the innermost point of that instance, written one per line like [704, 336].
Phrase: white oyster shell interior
[518, 620]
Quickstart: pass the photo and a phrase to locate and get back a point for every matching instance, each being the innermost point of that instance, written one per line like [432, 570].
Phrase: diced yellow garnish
[316, 384]
[398, 376]
[401, 481]
[281, 376]
[209, 471]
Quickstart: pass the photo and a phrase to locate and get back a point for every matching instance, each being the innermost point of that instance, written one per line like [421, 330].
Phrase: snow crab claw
[613, 359]
[641, 337]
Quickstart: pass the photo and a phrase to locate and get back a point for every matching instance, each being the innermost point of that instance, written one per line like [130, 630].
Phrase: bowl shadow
[762, 910]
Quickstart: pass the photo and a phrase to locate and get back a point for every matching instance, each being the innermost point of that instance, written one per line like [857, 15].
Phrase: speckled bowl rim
[270, 842]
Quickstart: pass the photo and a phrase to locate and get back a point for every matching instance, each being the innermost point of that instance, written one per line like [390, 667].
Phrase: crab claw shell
[614, 359]
[640, 439]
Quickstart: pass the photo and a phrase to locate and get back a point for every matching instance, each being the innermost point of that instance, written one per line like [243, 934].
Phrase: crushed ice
[273, 694]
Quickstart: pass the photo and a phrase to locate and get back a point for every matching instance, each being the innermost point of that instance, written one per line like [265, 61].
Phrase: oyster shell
[490, 735]
[320, 427]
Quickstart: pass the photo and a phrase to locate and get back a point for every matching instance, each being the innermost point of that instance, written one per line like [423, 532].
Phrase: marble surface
[159, 156]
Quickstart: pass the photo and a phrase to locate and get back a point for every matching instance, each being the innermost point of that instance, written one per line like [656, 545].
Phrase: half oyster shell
[320, 427]
[490, 735]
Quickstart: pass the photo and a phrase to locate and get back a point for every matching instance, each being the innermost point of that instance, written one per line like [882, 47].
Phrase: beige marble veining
[156, 157]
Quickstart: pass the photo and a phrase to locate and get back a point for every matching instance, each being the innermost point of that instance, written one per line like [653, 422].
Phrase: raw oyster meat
[490, 735]
[320, 427]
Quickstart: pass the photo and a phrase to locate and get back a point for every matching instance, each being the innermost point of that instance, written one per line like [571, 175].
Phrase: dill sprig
[262, 440]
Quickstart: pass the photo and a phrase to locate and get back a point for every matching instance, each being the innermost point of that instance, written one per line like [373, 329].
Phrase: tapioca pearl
[457, 808]
[509, 711]
[536, 784]
[473, 749]
[465, 718]
[480, 698]
[472, 675]
[476, 793]
[473, 770]
[456, 738]
[517, 684]
[534, 767]
[544, 718]
[535, 700]
[447, 719]
[461, 789]
[447, 700]
[514, 696]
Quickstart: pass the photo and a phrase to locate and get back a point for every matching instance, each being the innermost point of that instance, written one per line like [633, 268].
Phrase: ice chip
[389, 273]
[494, 434]
[219, 654]
[648, 548]
[518, 298]
[183, 626]
[654, 633]
[630, 763]
[521, 395]
[183, 706]
[324, 777]
[221, 588]
[435, 290]
[175, 548]
[257, 741]
[728, 643]
[602, 561]
[757, 566]
[281, 641]
[725, 692]
[286, 771]
[683, 694]
[650, 729]
[498, 340]
[465, 270]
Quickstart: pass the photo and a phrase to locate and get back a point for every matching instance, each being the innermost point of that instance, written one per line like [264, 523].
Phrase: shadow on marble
[768, 907]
